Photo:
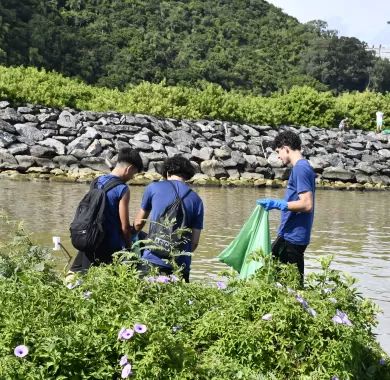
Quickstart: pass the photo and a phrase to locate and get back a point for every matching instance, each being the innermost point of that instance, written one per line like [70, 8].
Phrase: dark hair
[178, 165]
[287, 138]
[130, 156]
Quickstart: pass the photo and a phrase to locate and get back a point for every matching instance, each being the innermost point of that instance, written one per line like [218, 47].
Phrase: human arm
[144, 211]
[124, 216]
[195, 238]
[140, 219]
[303, 204]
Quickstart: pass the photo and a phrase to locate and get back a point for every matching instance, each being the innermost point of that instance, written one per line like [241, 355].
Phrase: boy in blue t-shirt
[298, 204]
[117, 228]
[160, 195]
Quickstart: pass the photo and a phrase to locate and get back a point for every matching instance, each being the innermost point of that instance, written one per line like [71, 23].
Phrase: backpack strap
[177, 194]
[110, 184]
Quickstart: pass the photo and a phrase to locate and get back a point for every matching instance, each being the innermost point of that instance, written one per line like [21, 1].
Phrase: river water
[354, 226]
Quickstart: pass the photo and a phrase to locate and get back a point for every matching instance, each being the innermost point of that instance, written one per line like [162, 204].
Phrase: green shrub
[232, 329]
[304, 106]
[299, 106]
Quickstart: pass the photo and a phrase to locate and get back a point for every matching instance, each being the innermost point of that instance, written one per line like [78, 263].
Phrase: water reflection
[352, 225]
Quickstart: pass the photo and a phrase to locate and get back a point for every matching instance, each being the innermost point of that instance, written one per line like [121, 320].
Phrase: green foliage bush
[232, 329]
[298, 106]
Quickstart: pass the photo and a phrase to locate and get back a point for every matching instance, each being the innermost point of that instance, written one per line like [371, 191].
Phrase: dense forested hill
[240, 44]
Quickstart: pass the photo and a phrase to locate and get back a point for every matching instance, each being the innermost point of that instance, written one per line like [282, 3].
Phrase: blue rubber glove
[271, 204]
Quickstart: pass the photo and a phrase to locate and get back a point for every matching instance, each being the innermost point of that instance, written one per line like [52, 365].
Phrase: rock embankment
[71, 145]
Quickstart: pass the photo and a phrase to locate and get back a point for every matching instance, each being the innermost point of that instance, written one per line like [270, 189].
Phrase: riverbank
[43, 143]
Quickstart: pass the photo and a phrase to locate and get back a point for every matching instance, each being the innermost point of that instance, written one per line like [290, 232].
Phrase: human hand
[270, 204]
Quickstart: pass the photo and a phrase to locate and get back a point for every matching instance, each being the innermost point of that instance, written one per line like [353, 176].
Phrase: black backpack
[86, 230]
[163, 231]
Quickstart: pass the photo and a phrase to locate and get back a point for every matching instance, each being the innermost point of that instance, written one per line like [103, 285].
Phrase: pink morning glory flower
[123, 360]
[126, 371]
[140, 328]
[341, 318]
[162, 279]
[125, 334]
[221, 285]
[21, 351]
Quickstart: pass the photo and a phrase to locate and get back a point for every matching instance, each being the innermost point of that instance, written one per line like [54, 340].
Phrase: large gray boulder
[203, 154]
[141, 145]
[80, 142]
[338, 174]
[222, 153]
[255, 149]
[58, 146]
[275, 161]
[282, 173]
[42, 151]
[157, 147]
[238, 158]
[384, 153]
[183, 138]
[7, 127]
[172, 151]
[45, 117]
[250, 130]
[362, 178]
[6, 139]
[5, 156]
[143, 137]
[229, 163]
[213, 168]
[95, 163]
[4, 104]
[24, 110]
[318, 162]
[95, 148]
[9, 114]
[25, 162]
[18, 148]
[65, 160]
[154, 156]
[366, 168]
[66, 120]
[30, 133]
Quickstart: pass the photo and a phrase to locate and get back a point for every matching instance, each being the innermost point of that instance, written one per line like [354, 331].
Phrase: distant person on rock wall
[297, 207]
[379, 122]
[343, 125]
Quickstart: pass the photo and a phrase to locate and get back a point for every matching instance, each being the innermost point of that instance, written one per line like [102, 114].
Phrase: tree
[342, 63]
[380, 75]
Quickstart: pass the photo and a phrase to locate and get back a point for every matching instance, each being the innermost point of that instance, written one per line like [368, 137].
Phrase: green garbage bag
[254, 235]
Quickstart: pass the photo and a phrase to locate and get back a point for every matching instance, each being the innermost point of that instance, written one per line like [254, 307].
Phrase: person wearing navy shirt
[160, 195]
[297, 207]
[117, 228]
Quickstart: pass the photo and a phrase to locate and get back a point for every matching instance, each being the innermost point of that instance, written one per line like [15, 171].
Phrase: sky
[363, 19]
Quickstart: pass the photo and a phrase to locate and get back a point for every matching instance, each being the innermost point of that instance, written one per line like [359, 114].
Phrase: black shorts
[288, 253]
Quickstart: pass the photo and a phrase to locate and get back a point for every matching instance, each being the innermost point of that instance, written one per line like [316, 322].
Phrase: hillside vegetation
[248, 45]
